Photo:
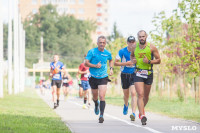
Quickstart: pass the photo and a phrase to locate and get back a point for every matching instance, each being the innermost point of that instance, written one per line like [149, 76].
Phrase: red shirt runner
[82, 67]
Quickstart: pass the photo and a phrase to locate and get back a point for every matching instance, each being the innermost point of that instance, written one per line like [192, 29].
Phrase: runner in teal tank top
[143, 54]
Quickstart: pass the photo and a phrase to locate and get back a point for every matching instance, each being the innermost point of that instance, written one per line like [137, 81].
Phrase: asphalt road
[81, 120]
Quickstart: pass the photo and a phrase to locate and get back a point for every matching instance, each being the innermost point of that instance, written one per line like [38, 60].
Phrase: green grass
[27, 113]
[172, 108]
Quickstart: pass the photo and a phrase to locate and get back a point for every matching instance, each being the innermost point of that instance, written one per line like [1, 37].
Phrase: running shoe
[96, 109]
[143, 120]
[132, 116]
[125, 109]
[89, 105]
[55, 106]
[84, 106]
[101, 119]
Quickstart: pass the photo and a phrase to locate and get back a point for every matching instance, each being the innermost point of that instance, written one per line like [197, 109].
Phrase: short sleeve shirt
[82, 67]
[95, 56]
[60, 65]
[124, 56]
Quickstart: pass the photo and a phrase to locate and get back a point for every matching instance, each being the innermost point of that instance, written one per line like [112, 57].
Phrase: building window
[81, 1]
[106, 10]
[99, 10]
[34, 11]
[99, 1]
[53, 1]
[106, 19]
[72, 1]
[81, 11]
[48, 1]
[43, 2]
[66, 10]
[34, 2]
[99, 19]
[72, 11]
[62, 1]
[98, 28]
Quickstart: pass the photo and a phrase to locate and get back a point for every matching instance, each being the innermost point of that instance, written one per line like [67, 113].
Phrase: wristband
[149, 62]
[111, 68]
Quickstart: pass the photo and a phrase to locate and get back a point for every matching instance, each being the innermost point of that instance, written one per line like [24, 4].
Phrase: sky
[130, 15]
[134, 15]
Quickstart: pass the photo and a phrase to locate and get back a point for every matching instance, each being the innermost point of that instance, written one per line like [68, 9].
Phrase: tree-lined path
[85, 121]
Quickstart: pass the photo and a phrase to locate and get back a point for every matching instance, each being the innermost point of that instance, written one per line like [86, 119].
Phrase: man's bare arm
[156, 54]
[132, 57]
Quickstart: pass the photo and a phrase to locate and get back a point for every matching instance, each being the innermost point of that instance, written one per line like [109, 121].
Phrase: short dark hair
[131, 38]
[102, 37]
[141, 31]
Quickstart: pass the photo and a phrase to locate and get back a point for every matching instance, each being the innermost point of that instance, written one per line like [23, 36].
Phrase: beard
[142, 42]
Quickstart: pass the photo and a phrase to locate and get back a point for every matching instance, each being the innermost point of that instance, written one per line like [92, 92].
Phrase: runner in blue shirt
[127, 76]
[97, 59]
[56, 67]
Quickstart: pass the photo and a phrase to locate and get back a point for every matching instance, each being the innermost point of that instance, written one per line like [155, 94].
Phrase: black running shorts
[94, 82]
[147, 81]
[66, 84]
[56, 83]
[127, 79]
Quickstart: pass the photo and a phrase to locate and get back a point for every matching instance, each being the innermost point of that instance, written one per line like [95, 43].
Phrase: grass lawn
[173, 108]
[27, 113]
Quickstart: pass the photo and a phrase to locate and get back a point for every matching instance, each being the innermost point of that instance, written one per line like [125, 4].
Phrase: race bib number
[56, 76]
[142, 74]
[130, 66]
[86, 75]
[65, 80]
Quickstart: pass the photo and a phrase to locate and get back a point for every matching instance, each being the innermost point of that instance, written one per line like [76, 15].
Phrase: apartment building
[96, 10]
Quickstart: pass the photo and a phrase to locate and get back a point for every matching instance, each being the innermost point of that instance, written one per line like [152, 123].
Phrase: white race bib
[130, 66]
[65, 80]
[142, 73]
[56, 76]
[86, 75]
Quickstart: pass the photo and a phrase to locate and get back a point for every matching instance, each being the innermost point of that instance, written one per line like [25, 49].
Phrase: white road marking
[127, 122]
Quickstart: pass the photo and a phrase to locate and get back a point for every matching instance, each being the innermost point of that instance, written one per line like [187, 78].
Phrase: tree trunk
[184, 88]
[161, 78]
[171, 85]
[195, 90]
[199, 89]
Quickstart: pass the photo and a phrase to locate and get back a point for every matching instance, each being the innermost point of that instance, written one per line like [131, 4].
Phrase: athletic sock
[85, 100]
[96, 103]
[102, 107]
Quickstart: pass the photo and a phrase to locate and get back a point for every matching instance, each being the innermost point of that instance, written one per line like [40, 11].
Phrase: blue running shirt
[124, 56]
[60, 65]
[95, 56]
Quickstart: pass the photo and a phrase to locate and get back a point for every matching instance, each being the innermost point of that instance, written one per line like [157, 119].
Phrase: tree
[115, 33]
[63, 35]
[181, 43]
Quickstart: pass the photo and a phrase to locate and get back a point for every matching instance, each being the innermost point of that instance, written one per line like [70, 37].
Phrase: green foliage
[115, 33]
[178, 37]
[114, 47]
[63, 35]
[5, 40]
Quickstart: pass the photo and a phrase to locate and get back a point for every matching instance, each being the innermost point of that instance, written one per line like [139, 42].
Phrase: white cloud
[133, 15]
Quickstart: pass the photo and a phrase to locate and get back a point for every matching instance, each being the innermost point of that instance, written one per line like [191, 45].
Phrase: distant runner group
[136, 62]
